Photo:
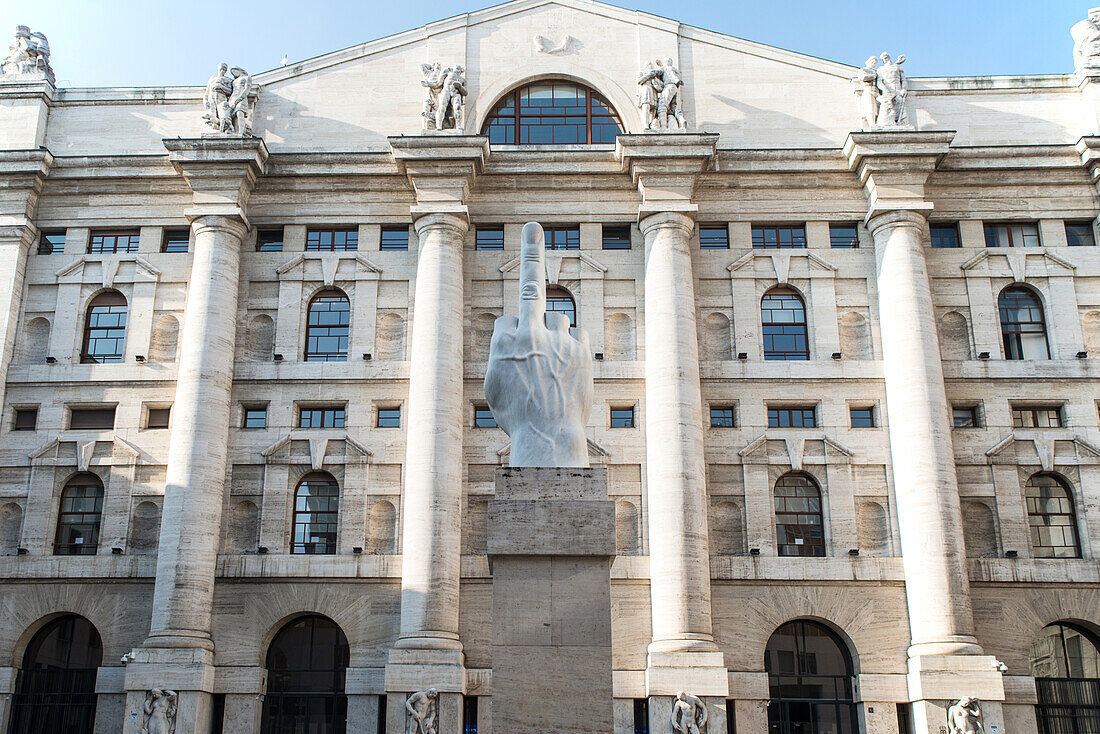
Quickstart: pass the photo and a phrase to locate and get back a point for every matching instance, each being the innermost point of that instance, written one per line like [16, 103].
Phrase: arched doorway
[306, 665]
[1065, 661]
[811, 681]
[55, 688]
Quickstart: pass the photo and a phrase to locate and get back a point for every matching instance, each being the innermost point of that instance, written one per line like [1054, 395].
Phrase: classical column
[178, 654]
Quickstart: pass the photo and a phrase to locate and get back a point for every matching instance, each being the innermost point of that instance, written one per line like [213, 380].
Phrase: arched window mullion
[1023, 324]
[79, 516]
[328, 327]
[547, 112]
[104, 329]
[799, 522]
[783, 325]
[316, 515]
[1052, 517]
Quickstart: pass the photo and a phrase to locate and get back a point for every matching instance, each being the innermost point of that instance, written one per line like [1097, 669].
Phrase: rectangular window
[563, 238]
[1079, 234]
[255, 416]
[469, 715]
[489, 238]
[1037, 416]
[51, 242]
[175, 240]
[158, 418]
[389, 418]
[622, 417]
[1023, 234]
[343, 239]
[714, 237]
[483, 417]
[271, 240]
[721, 417]
[394, 239]
[792, 417]
[843, 236]
[862, 417]
[26, 419]
[641, 716]
[104, 243]
[964, 416]
[324, 417]
[944, 235]
[787, 237]
[91, 419]
[616, 237]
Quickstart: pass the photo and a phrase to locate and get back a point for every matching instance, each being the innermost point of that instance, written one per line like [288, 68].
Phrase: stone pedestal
[189, 671]
[551, 539]
[938, 681]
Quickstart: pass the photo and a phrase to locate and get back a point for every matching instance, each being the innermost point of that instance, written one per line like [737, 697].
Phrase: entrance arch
[811, 681]
[307, 662]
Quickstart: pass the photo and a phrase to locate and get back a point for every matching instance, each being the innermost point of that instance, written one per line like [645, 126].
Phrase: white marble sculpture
[28, 57]
[866, 88]
[539, 380]
[1086, 44]
[445, 98]
[649, 92]
[422, 709]
[893, 88]
[965, 716]
[659, 84]
[227, 102]
[689, 714]
[160, 712]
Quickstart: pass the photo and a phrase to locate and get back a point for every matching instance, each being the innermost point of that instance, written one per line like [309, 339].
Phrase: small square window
[394, 238]
[389, 418]
[323, 417]
[158, 418]
[1037, 416]
[1025, 234]
[26, 419]
[483, 417]
[944, 235]
[51, 242]
[616, 237]
[255, 416]
[721, 417]
[862, 417]
[176, 240]
[91, 419]
[105, 243]
[714, 237]
[784, 237]
[566, 237]
[842, 236]
[489, 237]
[964, 416]
[1079, 234]
[792, 417]
[622, 417]
[342, 239]
[269, 240]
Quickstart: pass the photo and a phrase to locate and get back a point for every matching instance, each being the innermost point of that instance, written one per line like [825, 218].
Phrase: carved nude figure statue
[965, 717]
[226, 101]
[649, 91]
[689, 714]
[893, 88]
[421, 709]
[29, 53]
[237, 106]
[866, 82]
[1086, 43]
[160, 712]
[445, 97]
[539, 379]
[670, 104]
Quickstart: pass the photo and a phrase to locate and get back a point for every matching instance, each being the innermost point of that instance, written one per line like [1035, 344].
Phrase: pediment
[561, 265]
[794, 449]
[1043, 447]
[1018, 263]
[82, 454]
[108, 270]
[784, 265]
[329, 267]
[317, 449]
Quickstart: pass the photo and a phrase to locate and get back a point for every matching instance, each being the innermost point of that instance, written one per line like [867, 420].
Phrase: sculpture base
[938, 681]
[189, 672]
[551, 539]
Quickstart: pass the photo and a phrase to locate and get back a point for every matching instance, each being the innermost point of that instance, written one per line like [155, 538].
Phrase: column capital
[893, 166]
[681, 220]
[220, 171]
[877, 220]
[666, 166]
[455, 218]
[440, 168]
[232, 225]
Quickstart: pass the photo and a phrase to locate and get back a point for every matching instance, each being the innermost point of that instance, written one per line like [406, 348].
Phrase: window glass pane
[1023, 328]
[328, 327]
[1012, 235]
[622, 417]
[316, 514]
[558, 300]
[489, 238]
[792, 418]
[1051, 517]
[616, 237]
[863, 417]
[1079, 234]
[51, 243]
[158, 417]
[389, 417]
[483, 418]
[964, 417]
[79, 514]
[92, 419]
[105, 329]
[781, 237]
[26, 419]
[394, 238]
[329, 417]
[553, 112]
[798, 520]
[269, 240]
[843, 235]
[175, 240]
[344, 239]
[255, 417]
[721, 417]
[944, 235]
[714, 237]
[110, 242]
[563, 238]
[783, 318]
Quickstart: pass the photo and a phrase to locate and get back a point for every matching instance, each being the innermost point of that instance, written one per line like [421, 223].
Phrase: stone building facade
[845, 393]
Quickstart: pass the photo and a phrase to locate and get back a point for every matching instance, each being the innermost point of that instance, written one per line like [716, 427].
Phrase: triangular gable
[110, 269]
[330, 265]
[1012, 262]
[318, 443]
[814, 267]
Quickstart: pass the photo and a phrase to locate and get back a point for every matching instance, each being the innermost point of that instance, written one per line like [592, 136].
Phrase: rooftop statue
[227, 103]
[1086, 44]
[28, 55]
[539, 380]
[446, 96]
[882, 94]
[659, 96]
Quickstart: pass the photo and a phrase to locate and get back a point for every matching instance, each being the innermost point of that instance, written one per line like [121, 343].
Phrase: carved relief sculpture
[227, 102]
[893, 88]
[544, 45]
[539, 378]
[965, 716]
[28, 57]
[1086, 44]
[689, 714]
[866, 88]
[445, 98]
[422, 712]
[160, 712]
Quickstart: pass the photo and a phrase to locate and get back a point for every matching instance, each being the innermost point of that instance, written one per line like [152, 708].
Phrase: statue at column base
[422, 712]
[160, 712]
[689, 714]
[965, 716]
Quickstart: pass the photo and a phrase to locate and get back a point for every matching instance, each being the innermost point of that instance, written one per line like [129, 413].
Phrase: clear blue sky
[156, 42]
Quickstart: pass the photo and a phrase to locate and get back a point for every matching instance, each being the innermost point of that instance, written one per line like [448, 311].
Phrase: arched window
[783, 316]
[79, 516]
[316, 510]
[306, 666]
[1051, 517]
[55, 689]
[105, 329]
[1023, 328]
[552, 113]
[810, 679]
[799, 528]
[558, 300]
[328, 324]
[1065, 661]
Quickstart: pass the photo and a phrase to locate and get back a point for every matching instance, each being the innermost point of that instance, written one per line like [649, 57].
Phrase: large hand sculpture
[539, 380]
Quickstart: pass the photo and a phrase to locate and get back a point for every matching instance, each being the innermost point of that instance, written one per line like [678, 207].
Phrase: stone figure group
[689, 714]
[882, 93]
[659, 98]
[422, 712]
[160, 712]
[29, 53]
[445, 97]
[965, 716]
[226, 101]
[1086, 44]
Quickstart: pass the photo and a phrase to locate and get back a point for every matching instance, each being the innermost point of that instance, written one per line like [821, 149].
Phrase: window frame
[393, 413]
[1070, 513]
[612, 236]
[994, 230]
[626, 418]
[779, 410]
[1014, 331]
[109, 300]
[480, 413]
[762, 243]
[133, 241]
[44, 238]
[953, 227]
[872, 418]
[1087, 226]
[70, 518]
[323, 413]
[488, 229]
[784, 329]
[802, 518]
[1020, 412]
[171, 238]
[18, 412]
[975, 416]
[350, 236]
[853, 242]
[394, 229]
[321, 331]
[331, 514]
[555, 294]
[723, 408]
[150, 410]
[516, 119]
[710, 239]
[253, 408]
[571, 233]
[265, 240]
[87, 410]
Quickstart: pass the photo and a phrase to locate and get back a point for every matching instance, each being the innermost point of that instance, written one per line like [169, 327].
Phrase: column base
[698, 673]
[189, 672]
[938, 681]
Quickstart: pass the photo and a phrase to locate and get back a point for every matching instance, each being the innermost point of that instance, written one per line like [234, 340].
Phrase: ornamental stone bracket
[22, 174]
[220, 171]
[665, 167]
[1089, 149]
[440, 168]
[894, 166]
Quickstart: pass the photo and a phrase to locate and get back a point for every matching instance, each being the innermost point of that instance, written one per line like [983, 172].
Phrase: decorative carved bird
[544, 45]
